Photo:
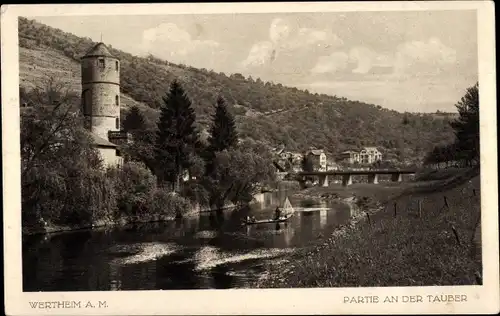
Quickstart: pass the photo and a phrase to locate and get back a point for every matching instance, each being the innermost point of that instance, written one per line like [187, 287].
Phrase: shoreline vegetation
[194, 210]
[428, 231]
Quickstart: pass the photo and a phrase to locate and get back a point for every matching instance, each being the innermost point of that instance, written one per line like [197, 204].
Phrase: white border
[481, 299]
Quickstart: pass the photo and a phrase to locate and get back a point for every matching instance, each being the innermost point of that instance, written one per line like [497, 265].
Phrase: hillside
[264, 111]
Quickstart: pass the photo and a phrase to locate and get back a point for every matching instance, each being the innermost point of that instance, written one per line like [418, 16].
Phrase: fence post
[476, 224]
[420, 208]
[395, 208]
[479, 278]
[456, 235]
[446, 202]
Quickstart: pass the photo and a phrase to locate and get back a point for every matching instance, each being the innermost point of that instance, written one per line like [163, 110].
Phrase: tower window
[117, 100]
[116, 65]
[101, 64]
[117, 122]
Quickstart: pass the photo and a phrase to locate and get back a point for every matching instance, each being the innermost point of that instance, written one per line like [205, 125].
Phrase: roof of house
[101, 142]
[280, 148]
[100, 49]
[316, 152]
[349, 152]
[371, 148]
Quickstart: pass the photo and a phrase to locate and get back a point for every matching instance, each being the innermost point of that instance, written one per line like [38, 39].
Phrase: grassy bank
[402, 244]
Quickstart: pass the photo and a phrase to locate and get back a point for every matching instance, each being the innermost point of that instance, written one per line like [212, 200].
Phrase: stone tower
[101, 91]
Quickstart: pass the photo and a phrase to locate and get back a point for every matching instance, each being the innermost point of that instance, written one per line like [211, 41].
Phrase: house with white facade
[349, 156]
[318, 159]
[369, 155]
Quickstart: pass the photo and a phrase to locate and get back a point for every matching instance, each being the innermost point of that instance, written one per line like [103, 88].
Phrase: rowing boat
[268, 221]
[287, 210]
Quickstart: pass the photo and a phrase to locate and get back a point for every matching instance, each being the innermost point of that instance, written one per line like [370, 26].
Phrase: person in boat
[277, 213]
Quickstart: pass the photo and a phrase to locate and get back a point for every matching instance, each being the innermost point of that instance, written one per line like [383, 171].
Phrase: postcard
[250, 158]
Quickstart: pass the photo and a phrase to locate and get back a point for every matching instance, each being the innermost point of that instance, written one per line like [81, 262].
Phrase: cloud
[287, 45]
[332, 63]
[410, 58]
[426, 95]
[364, 58]
[169, 41]
[279, 30]
[423, 56]
[259, 54]
[308, 36]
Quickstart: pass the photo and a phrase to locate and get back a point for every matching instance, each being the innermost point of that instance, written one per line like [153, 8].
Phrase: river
[209, 251]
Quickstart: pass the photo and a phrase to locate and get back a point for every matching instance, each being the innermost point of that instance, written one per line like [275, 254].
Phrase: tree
[466, 126]
[223, 133]
[51, 121]
[142, 148]
[406, 119]
[61, 172]
[307, 164]
[134, 121]
[176, 137]
[237, 174]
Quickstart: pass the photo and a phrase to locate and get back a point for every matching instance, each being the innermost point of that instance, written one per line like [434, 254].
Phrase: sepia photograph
[270, 150]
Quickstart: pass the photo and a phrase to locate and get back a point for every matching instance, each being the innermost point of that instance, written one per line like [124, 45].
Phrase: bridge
[396, 175]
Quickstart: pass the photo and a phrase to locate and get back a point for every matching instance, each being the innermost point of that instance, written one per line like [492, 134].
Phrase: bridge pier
[397, 177]
[346, 180]
[373, 178]
[323, 180]
[302, 182]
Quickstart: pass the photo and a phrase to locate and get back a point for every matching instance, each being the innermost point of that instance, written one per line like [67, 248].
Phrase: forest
[327, 122]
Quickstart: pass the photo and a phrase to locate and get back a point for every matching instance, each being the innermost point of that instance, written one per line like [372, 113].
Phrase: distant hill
[264, 111]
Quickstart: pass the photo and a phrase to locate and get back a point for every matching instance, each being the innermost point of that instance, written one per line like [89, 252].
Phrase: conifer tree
[134, 121]
[223, 133]
[176, 137]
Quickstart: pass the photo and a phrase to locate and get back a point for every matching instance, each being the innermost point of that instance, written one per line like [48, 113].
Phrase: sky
[419, 61]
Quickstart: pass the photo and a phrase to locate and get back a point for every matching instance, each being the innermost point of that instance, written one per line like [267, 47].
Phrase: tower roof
[99, 50]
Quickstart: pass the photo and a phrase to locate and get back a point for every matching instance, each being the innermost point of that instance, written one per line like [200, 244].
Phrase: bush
[52, 196]
[196, 193]
[308, 202]
[433, 175]
[139, 198]
[163, 204]
[133, 183]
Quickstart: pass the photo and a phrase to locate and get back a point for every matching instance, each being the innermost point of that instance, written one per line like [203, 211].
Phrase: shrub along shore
[426, 234]
[117, 196]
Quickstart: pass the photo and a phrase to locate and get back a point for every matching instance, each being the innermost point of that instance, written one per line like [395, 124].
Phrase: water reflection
[212, 250]
[323, 218]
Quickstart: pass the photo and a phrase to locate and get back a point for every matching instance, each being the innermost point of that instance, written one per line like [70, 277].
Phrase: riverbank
[416, 234]
[116, 223]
